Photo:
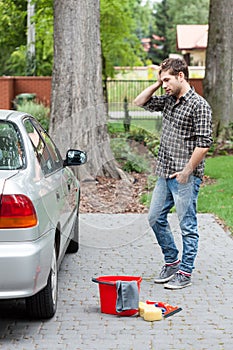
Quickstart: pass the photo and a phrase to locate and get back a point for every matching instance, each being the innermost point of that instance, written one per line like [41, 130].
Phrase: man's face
[171, 83]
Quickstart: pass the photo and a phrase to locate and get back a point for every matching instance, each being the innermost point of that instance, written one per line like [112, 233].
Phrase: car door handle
[69, 183]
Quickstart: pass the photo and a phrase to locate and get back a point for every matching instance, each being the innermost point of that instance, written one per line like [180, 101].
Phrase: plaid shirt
[186, 125]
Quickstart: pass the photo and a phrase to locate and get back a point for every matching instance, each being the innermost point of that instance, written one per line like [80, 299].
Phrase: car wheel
[74, 243]
[44, 303]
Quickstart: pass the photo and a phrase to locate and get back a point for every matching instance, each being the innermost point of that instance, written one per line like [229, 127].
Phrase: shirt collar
[188, 94]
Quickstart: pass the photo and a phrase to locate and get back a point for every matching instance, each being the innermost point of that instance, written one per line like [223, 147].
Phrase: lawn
[217, 198]
[151, 125]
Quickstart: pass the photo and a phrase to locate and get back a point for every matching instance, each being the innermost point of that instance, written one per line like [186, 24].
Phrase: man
[185, 140]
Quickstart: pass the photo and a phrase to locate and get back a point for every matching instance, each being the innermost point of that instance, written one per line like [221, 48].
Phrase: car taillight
[17, 211]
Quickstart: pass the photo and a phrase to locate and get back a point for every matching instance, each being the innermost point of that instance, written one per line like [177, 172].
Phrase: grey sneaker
[167, 272]
[178, 281]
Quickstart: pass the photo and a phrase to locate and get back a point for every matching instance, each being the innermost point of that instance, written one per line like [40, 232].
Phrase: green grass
[217, 198]
[150, 125]
[153, 126]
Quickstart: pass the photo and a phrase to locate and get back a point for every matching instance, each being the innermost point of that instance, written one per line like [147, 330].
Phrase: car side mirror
[75, 157]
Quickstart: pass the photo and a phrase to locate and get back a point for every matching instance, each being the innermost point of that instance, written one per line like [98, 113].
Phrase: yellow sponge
[152, 314]
[141, 308]
[149, 312]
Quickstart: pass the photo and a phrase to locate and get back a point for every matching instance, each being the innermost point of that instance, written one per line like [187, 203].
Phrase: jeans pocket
[185, 187]
[197, 183]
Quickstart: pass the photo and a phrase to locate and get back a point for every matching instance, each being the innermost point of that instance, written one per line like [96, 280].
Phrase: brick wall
[10, 87]
[6, 92]
[197, 84]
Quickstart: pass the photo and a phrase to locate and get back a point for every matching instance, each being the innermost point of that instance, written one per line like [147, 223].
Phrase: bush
[151, 181]
[138, 134]
[136, 163]
[120, 148]
[130, 161]
[150, 140]
[37, 110]
[115, 128]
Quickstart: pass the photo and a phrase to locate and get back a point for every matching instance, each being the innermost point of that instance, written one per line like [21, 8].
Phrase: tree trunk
[219, 60]
[78, 113]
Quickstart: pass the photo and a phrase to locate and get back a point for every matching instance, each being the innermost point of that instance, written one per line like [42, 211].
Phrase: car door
[68, 187]
[53, 185]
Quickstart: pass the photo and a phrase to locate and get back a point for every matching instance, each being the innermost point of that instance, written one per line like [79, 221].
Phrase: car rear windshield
[11, 151]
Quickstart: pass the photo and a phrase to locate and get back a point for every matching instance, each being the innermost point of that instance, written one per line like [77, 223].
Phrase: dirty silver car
[39, 201]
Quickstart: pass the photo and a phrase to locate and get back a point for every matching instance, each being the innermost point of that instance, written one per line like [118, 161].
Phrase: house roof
[191, 36]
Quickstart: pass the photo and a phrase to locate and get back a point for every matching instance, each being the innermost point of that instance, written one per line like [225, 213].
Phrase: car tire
[73, 246]
[44, 303]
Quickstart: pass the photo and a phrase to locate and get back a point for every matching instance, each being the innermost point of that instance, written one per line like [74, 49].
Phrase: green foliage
[37, 110]
[161, 49]
[16, 63]
[137, 133]
[144, 18]
[12, 31]
[126, 155]
[128, 158]
[44, 37]
[151, 181]
[115, 128]
[151, 125]
[120, 148]
[122, 25]
[137, 163]
[191, 12]
[120, 46]
[144, 136]
[13, 41]
[145, 198]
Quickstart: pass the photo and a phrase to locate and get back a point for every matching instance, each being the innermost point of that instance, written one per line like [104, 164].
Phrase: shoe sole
[164, 280]
[170, 286]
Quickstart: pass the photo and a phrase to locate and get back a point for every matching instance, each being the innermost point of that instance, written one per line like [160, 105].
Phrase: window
[12, 154]
[46, 152]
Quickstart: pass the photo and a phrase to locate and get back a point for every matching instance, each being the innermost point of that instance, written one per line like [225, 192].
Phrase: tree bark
[219, 61]
[78, 113]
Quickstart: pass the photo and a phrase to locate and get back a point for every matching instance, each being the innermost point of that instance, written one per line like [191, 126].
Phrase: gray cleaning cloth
[127, 296]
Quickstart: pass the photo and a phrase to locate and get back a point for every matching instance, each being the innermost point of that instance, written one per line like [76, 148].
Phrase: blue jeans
[167, 193]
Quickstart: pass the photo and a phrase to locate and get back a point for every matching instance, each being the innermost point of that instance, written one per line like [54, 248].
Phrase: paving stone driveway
[123, 244]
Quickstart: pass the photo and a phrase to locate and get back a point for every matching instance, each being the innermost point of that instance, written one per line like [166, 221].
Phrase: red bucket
[108, 293]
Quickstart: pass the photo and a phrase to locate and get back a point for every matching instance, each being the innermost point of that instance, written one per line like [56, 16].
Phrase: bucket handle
[102, 282]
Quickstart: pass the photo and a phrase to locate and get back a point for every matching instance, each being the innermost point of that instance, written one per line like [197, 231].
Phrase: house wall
[197, 57]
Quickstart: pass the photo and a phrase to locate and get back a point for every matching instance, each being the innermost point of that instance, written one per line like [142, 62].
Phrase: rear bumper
[25, 266]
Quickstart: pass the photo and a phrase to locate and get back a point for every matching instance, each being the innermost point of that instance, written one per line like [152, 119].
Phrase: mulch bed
[107, 195]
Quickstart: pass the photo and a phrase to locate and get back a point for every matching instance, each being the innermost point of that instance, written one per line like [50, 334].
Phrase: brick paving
[123, 244]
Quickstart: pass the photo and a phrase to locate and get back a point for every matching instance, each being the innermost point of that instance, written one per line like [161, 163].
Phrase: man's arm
[146, 94]
[197, 156]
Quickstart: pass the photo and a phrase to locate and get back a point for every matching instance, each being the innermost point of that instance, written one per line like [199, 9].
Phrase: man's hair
[175, 65]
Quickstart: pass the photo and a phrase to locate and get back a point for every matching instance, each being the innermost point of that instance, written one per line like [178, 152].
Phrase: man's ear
[181, 76]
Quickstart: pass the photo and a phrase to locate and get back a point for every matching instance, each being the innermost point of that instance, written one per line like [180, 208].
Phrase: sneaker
[178, 281]
[167, 272]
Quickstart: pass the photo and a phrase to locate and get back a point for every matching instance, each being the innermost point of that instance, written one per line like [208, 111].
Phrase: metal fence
[121, 94]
